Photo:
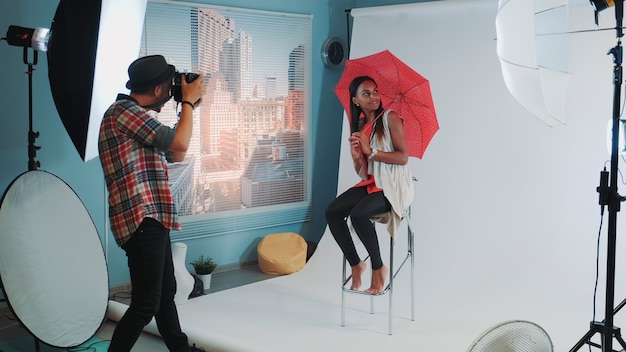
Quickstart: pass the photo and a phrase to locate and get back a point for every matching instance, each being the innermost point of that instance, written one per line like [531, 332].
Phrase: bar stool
[392, 275]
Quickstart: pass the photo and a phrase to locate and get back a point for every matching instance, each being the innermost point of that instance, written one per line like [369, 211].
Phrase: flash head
[36, 38]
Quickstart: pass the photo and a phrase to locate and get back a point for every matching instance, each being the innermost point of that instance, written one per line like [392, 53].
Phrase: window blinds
[247, 166]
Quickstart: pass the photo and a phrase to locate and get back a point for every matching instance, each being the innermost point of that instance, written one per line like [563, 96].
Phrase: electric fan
[513, 336]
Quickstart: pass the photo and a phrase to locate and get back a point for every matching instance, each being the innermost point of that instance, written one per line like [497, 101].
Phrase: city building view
[248, 146]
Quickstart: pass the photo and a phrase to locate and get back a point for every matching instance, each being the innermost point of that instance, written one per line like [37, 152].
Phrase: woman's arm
[400, 153]
[360, 166]
[358, 158]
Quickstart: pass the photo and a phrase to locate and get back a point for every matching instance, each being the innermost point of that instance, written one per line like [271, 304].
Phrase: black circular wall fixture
[333, 52]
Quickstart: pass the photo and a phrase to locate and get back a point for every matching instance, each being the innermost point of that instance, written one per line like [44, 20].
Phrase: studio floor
[249, 311]
[13, 333]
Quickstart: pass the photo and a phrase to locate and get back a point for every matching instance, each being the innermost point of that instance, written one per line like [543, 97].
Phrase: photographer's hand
[193, 91]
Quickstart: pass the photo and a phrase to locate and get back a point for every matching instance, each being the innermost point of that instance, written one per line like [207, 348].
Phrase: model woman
[380, 155]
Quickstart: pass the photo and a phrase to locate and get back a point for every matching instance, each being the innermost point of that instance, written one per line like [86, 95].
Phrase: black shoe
[195, 349]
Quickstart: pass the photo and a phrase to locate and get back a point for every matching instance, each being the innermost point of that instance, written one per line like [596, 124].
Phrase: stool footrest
[349, 290]
[387, 288]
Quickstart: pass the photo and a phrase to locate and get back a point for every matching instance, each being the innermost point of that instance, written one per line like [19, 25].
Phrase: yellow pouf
[282, 253]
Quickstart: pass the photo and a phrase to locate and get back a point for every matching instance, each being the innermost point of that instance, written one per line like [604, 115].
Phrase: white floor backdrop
[506, 209]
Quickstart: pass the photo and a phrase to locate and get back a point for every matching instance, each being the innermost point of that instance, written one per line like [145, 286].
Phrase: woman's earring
[357, 104]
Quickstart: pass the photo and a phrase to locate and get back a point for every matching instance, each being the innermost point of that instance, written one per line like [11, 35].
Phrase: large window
[247, 165]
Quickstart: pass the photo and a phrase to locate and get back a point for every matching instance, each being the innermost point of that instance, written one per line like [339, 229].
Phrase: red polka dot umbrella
[402, 89]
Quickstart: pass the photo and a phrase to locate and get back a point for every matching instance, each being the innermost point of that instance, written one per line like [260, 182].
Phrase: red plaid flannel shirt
[135, 171]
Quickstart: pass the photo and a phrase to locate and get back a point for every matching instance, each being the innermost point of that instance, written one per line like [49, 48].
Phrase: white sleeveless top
[395, 180]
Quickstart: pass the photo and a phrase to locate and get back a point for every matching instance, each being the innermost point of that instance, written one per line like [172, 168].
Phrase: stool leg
[391, 275]
[343, 294]
[411, 245]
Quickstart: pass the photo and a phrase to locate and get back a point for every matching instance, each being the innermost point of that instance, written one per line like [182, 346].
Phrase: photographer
[132, 147]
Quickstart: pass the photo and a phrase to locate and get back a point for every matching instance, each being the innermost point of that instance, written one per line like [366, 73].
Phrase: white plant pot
[206, 281]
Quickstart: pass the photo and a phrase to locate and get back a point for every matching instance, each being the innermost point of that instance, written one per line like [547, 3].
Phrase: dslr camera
[177, 88]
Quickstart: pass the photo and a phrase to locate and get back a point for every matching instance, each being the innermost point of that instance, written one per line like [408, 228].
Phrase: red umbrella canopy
[402, 89]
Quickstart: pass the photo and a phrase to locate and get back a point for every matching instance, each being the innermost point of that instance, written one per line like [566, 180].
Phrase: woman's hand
[355, 147]
[362, 142]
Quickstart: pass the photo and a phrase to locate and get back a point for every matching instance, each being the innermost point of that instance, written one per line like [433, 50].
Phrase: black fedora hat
[148, 71]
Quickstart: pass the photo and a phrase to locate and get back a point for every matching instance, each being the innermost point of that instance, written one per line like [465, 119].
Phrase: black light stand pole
[614, 198]
[610, 197]
[32, 136]
[610, 330]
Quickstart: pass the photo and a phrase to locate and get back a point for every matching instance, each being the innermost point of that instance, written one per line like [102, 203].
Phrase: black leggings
[360, 207]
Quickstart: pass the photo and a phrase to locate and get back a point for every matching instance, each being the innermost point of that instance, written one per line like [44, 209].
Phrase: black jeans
[360, 206]
[149, 253]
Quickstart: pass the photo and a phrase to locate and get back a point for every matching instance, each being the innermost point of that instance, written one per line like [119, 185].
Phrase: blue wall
[58, 155]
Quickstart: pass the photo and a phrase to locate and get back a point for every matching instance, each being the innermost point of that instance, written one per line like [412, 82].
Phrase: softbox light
[535, 64]
[91, 45]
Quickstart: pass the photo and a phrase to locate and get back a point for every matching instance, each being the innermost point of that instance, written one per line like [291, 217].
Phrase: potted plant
[204, 267]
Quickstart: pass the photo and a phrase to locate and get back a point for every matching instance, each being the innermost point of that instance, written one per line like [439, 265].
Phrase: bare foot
[357, 271]
[378, 280]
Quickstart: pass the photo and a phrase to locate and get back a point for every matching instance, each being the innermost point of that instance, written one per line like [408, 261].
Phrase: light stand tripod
[610, 197]
[32, 136]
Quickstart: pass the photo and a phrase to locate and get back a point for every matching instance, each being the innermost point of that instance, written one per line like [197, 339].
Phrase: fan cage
[513, 336]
